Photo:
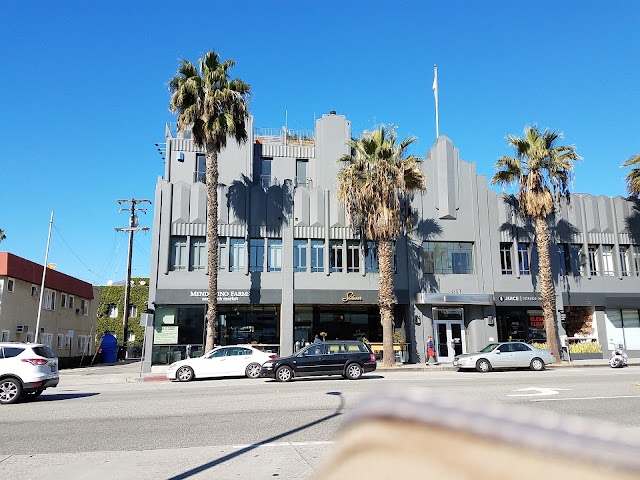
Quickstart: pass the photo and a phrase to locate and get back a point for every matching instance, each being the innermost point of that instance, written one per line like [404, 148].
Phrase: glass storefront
[259, 324]
[179, 332]
[520, 324]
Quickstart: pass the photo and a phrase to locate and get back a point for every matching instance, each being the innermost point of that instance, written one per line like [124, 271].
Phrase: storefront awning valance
[453, 299]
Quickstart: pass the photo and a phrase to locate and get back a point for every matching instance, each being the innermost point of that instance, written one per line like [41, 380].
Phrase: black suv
[348, 358]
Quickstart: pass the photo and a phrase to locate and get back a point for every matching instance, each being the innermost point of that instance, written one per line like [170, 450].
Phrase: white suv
[26, 369]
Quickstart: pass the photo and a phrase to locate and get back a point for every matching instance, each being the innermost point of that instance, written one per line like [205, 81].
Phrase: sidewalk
[129, 371]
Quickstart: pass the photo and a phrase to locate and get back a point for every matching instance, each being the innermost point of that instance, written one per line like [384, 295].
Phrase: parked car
[348, 358]
[26, 370]
[226, 361]
[505, 355]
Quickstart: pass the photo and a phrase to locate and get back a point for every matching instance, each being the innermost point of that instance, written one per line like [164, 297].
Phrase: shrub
[576, 347]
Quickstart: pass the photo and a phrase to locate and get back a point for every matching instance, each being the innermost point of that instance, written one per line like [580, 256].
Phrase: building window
[505, 259]
[256, 255]
[624, 261]
[34, 290]
[46, 338]
[67, 339]
[49, 299]
[594, 265]
[317, 255]
[11, 284]
[564, 259]
[63, 300]
[222, 253]
[524, 259]
[448, 257]
[5, 336]
[178, 249]
[300, 255]
[29, 337]
[70, 301]
[198, 257]
[84, 343]
[265, 172]
[112, 311]
[60, 341]
[84, 307]
[200, 174]
[274, 255]
[636, 259]
[607, 261]
[133, 311]
[335, 258]
[371, 258]
[353, 256]
[236, 254]
[301, 172]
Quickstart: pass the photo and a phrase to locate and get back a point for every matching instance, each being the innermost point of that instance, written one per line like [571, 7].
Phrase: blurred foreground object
[417, 435]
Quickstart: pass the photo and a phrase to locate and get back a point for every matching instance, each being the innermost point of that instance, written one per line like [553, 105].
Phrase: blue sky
[85, 95]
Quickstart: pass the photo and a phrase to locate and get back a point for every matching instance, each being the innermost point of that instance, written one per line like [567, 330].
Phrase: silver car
[505, 355]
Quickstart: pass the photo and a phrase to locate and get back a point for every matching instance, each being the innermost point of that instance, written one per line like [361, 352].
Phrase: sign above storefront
[351, 297]
[223, 295]
[517, 298]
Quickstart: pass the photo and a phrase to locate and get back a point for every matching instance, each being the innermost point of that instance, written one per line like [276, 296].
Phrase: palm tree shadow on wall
[262, 211]
[632, 222]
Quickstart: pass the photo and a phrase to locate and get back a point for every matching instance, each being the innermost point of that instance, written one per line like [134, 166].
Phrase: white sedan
[505, 355]
[227, 361]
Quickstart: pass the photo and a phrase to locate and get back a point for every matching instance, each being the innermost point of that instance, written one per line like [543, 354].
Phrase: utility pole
[133, 227]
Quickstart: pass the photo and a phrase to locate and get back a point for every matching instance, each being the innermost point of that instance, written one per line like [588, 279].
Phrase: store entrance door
[449, 333]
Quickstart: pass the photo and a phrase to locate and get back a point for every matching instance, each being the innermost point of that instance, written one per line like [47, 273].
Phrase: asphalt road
[169, 422]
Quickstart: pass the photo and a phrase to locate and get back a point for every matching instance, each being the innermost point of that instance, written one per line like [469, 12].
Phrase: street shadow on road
[325, 379]
[241, 451]
[64, 396]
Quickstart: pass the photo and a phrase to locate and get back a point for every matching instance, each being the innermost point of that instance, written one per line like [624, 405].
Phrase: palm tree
[542, 170]
[2, 235]
[215, 107]
[374, 185]
[633, 177]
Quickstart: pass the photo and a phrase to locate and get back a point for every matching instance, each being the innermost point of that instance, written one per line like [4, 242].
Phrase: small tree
[633, 177]
[2, 235]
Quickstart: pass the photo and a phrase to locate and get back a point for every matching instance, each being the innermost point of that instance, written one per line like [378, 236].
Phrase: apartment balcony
[282, 136]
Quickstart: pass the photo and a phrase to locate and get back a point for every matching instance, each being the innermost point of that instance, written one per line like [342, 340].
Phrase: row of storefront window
[572, 259]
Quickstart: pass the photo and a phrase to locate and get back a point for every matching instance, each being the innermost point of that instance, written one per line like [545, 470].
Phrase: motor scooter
[618, 358]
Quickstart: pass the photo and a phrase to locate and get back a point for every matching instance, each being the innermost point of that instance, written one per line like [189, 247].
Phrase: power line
[74, 253]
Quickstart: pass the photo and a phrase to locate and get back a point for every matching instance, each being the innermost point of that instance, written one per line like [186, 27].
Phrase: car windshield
[489, 348]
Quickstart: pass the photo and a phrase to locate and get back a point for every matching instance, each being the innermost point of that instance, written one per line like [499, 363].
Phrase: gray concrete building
[291, 267]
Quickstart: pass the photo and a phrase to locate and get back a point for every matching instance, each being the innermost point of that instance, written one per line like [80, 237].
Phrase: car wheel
[185, 374]
[253, 370]
[284, 374]
[10, 390]
[615, 363]
[354, 371]
[483, 365]
[32, 395]
[537, 364]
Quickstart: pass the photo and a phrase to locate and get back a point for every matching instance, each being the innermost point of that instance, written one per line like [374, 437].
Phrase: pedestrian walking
[431, 350]
[316, 340]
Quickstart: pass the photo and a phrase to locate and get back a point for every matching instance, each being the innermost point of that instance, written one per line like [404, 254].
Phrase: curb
[153, 378]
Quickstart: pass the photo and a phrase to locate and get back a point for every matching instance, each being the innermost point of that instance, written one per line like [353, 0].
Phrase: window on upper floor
[607, 261]
[335, 259]
[594, 263]
[237, 249]
[133, 311]
[198, 257]
[353, 256]
[256, 254]
[564, 259]
[11, 284]
[448, 257]
[274, 255]
[34, 290]
[222, 253]
[70, 301]
[505, 259]
[112, 311]
[302, 165]
[63, 300]
[178, 253]
[636, 258]
[317, 255]
[524, 259]
[371, 257]
[300, 255]
[265, 172]
[49, 299]
[200, 175]
[625, 264]
[84, 307]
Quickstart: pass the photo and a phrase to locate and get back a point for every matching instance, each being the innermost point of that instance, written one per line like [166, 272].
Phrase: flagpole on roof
[435, 95]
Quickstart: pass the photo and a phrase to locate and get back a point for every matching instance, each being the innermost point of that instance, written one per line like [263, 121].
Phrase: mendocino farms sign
[351, 297]
[223, 295]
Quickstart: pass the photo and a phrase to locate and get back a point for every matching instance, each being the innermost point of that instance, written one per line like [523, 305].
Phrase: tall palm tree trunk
[212, 244]
[386, 301]
[547, 288]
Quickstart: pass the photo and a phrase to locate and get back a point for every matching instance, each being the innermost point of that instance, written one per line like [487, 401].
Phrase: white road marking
[582, 398]
[283, 444]
[536, 391]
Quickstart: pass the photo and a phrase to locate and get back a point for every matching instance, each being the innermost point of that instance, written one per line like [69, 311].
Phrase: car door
[238, 360]
[334, 358]
[502, 357]
[522, 355]
[215, 364]
[309, 361]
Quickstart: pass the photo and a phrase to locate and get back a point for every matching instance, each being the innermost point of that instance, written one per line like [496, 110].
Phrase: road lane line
[283, 444]
[582, 398]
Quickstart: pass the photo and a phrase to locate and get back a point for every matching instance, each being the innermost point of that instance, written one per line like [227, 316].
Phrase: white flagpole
[435, 95]
[44, 274]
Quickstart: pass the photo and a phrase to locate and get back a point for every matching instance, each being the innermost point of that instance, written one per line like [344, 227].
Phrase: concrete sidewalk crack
[8, 457]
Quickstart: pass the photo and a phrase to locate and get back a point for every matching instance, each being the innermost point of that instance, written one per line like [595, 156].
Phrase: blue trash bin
[109, 347]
